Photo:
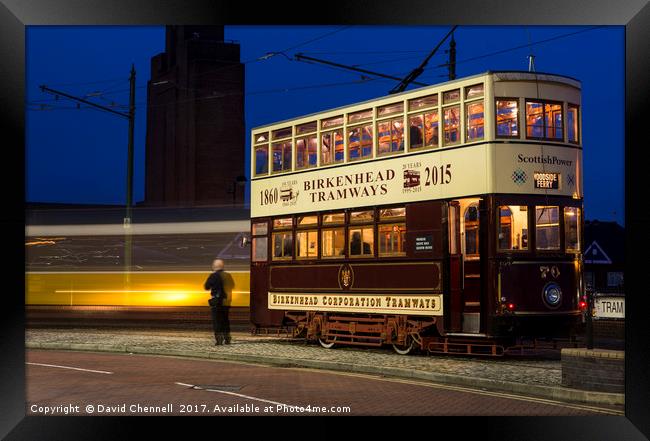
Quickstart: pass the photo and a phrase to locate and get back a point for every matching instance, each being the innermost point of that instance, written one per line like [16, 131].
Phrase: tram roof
[512, 75]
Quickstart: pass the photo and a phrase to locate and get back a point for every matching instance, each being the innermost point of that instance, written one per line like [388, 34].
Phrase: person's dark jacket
[215, 285]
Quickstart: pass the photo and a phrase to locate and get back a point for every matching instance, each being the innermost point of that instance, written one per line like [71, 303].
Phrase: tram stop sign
[609, 307]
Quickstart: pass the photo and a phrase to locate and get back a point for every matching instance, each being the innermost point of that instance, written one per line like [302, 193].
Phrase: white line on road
[236, 395]
[68, 367]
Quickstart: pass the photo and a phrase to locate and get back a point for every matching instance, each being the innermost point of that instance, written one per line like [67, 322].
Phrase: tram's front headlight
[552, 295]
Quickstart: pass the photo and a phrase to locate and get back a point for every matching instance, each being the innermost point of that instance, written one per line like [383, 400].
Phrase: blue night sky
[79, 155]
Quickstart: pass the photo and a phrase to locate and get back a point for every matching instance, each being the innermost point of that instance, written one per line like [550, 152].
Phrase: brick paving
[146, 381]
[540, 371]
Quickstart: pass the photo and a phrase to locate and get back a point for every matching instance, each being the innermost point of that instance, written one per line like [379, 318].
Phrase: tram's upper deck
[497, 132]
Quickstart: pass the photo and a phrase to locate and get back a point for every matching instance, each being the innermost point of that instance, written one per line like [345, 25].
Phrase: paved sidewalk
[529, 376]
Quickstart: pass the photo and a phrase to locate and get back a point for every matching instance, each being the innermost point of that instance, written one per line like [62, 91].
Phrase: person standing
[218, 309]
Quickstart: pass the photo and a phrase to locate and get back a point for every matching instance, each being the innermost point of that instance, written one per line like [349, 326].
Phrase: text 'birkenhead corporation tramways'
[372, 303]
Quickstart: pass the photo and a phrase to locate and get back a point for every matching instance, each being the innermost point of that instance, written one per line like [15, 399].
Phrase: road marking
[424, 383]
[69, 367]
[236, 395]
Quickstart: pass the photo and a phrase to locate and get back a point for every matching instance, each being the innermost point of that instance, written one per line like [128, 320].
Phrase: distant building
[604, 256]
[195, 120]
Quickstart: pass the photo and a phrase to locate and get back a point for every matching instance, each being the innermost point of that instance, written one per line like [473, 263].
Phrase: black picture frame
[634, 15]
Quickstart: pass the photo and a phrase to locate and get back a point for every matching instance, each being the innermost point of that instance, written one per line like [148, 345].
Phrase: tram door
[259, 276]
[455, 268]
[471, 291]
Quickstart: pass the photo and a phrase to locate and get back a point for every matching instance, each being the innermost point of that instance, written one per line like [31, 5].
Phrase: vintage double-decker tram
[447, 218]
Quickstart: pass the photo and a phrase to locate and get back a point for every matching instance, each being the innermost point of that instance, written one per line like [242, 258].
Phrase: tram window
[360, 142]
[261, 137]
[451, 97]
[431, 128]
[474, 91]
[282, 156]
[333, 243]
[361, 241]
[334, 218]
[505, 228]
[306, 128]
[282, 133]
[307, 220]
[391, 136]
[282, 245]
[534, 120]
[553, 121]
[451, 124]
[260, 249]
[424, 102]
[416, 129]
[390, 109]
[507, 118]
[332, 122]
[260, 229]
[307, 244]
[392, 213]
[544, 120]
[383, 133]
[471, 231]
[356, 117]
[397, 135]
[572, 229]
[423, 130]
[332, 149]
[572, 123]
[306, 151]
[547, 228]
[513, 228]
[475, 121]
[261, 159]
[392, 238]
[362, 216]
[285, 222]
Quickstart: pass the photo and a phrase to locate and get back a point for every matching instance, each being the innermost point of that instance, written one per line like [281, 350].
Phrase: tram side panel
[318, 285]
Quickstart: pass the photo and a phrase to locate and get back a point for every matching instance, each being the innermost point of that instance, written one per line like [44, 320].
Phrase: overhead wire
[259, 92]
[317, 38]
[364, 80]
[85, 83]
[523, 46]
[260, 57]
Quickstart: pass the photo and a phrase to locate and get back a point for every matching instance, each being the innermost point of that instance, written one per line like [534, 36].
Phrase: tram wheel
[404, 349]
[326, 345]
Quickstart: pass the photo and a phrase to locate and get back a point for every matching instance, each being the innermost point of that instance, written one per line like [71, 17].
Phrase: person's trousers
[220, 323]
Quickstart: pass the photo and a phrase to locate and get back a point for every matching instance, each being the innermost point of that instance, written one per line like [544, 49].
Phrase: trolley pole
[128, 245]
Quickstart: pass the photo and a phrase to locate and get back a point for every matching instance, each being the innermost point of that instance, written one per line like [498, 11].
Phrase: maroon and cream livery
[445, 218]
